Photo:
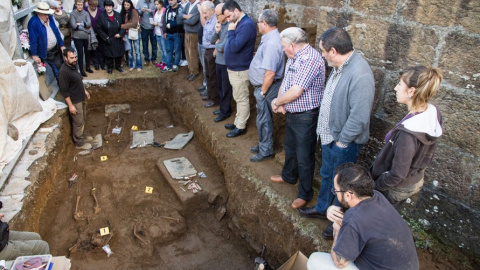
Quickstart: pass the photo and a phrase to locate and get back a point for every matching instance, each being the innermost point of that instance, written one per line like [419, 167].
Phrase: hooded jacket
[403, 160]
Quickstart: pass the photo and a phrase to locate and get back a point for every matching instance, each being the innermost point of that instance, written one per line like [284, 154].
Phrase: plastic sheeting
[21, 109]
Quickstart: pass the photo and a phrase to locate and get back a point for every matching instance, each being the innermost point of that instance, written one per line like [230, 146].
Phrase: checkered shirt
[306, 70]
[323, 130]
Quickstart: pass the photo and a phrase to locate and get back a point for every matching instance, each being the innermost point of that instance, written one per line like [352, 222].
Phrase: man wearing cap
[45, 38]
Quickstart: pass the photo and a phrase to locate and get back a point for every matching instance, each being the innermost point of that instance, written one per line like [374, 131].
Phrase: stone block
[446, 13]
[315, 3]
[469, 16]
[460, 111]
[459, 61]
[369, 37]
[454, 173]
[374, 7]
[447, 220]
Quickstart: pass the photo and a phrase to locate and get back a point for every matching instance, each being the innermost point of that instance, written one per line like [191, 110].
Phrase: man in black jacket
[14, 244]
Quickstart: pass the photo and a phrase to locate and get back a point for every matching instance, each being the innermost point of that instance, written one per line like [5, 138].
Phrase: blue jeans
[163, 48]
[174, 45]
[300, 142]
[135, 46]
[332, 157]
[148, 34]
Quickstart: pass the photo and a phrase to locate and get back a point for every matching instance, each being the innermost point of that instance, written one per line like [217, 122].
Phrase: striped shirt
[323, 130]
[306, 70]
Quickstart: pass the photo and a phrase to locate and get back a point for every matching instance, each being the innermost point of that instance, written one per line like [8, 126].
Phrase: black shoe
[221, 117]
[236, 132]
[96, 67]
[230, 126]
[109, 71]
[204, 98]
[120, 69]
[103, 67]
[216, 112]
[327, 234]
[83, 73]
[259, 157]
[193, 77]
[89, 70]
[210, 104]
[255, 149]
[201, 88]
[311, 212]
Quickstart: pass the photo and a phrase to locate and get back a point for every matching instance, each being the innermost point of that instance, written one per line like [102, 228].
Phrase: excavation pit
[224, 226]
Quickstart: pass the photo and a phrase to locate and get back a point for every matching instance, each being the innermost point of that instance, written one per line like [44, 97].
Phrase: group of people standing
[334, 112]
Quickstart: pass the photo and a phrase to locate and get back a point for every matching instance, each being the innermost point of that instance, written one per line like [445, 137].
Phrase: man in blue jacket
[242, 33]
[45, 38]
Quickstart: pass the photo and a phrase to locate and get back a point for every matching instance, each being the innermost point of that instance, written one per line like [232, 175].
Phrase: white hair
[294, 35]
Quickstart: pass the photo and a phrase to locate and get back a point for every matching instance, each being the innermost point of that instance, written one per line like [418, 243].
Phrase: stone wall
[393, 34]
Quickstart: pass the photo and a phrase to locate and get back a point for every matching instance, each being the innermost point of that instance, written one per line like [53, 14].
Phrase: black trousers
[224, 90]
[113, 60]
[82, 50]
[210, 68]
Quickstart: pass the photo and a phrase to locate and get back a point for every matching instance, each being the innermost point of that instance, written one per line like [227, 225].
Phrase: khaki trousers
[24, 244]
[191, 53]
[239, 81]
[78, 123]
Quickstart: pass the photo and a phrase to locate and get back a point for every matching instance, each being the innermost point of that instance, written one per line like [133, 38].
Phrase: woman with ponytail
[399, 168]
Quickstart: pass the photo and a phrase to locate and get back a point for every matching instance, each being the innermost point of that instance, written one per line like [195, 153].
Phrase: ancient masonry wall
[395, 34]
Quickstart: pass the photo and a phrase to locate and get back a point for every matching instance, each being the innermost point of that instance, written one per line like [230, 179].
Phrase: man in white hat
[45, 39]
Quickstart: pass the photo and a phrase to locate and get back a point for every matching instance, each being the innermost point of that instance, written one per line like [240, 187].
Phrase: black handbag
[4, 234]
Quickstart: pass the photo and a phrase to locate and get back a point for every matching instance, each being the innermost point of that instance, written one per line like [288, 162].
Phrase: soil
[171, 235]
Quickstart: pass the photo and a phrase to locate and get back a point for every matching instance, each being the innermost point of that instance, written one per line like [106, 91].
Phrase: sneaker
[130, 69]
[85, 146]
[139, 69]
[159, 65]
[175, 68]
[166, 69]
[183, 63]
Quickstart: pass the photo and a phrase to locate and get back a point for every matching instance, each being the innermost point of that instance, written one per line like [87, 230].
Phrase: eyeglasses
[260, 21]
[341, 191]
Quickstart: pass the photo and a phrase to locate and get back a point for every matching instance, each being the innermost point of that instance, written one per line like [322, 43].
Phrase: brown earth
[197, 240]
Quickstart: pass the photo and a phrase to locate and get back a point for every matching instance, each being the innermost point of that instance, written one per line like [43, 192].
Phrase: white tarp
[21, 109]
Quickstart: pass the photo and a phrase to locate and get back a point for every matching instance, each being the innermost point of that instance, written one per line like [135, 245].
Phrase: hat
[43, 8]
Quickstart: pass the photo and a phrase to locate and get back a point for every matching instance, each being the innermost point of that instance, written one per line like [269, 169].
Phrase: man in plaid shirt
[299, 97]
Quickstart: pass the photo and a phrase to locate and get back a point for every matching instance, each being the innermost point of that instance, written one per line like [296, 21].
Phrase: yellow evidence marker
[104, 231]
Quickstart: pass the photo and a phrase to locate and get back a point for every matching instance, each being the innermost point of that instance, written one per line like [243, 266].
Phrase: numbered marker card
[148, 190]
[104, 231]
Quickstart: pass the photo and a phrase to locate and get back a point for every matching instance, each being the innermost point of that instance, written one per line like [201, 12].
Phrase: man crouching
[368, 232]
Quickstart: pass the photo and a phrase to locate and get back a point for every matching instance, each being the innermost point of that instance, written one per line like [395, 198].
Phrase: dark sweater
[240, 45]
[71, 84]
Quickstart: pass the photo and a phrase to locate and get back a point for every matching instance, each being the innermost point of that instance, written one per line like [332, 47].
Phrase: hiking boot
[85, 146]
